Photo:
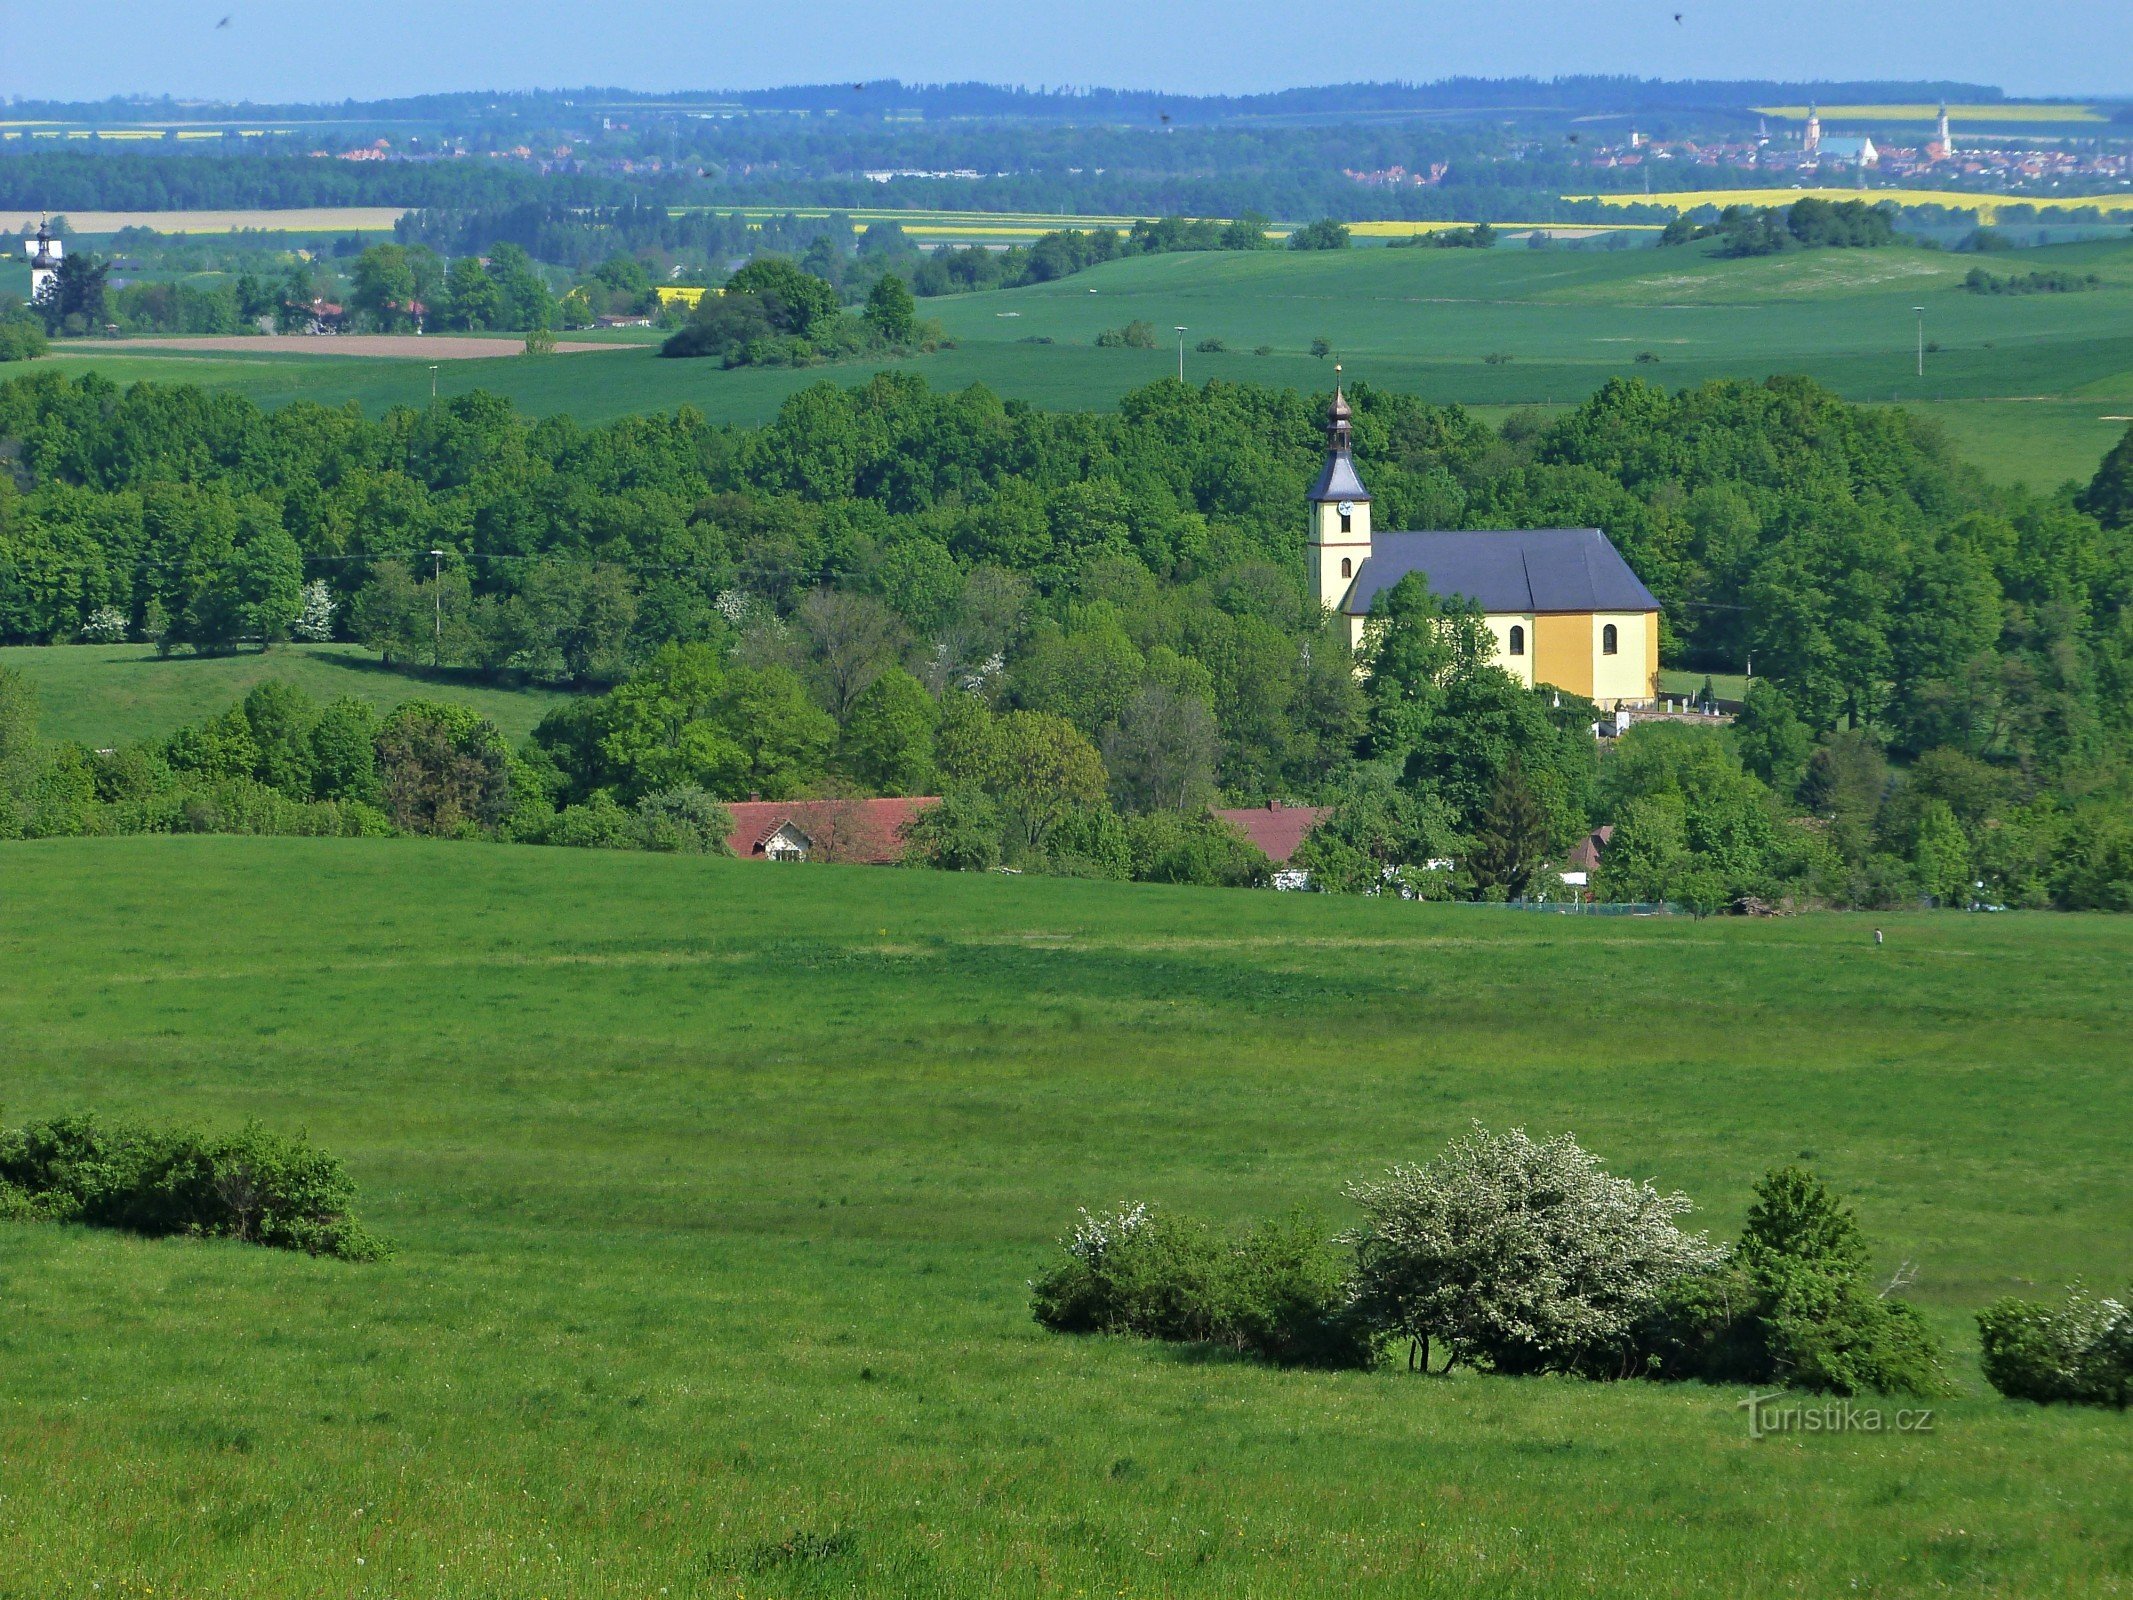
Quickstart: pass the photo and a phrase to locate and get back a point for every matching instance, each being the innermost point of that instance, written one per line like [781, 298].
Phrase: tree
[383, 290]
[887, 744]
[1774, 743]
[391, 615]
[344, 757]
[1942, 855]
[783, 738]
[796, 302]
[2109, 495]
[1512, 844]
[851, 640]
[75, 300]
[1321, 346]
[443, 769]
[1324, 234]
[723, 326]
[471, 299]
[891, 312]
[521, 294]
[1518, 1255]
[1043, 768]
[1161, 752]
[284, 723]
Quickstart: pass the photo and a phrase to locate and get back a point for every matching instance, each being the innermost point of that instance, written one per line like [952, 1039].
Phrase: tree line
[1939, 664]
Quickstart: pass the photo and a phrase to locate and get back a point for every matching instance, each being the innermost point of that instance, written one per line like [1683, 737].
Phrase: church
[1565, 610]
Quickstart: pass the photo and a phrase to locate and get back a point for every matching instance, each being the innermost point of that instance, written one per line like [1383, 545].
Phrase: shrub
[1517, 1255]
[1211, 347]
[254, 1186]
[1277, 1291]
[1135, 335]
[1824, 1326]
[105, 625]
[2080, 1353]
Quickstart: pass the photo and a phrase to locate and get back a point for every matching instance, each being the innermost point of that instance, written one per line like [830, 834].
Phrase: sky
[304, 50]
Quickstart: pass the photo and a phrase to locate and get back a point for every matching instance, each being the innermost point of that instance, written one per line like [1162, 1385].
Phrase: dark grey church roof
[1531, 569]
[1337, 480]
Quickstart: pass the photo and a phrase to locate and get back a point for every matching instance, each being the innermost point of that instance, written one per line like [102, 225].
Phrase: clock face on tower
[1346, 507]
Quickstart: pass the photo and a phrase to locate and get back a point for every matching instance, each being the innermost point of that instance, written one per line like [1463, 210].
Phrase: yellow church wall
[1629, 672]
[1519, 666]
[1565, 647]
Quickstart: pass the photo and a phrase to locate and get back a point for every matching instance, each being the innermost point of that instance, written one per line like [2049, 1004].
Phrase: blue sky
[282, 49]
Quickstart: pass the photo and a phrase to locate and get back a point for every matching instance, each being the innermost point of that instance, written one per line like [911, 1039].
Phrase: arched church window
[1347, 567]
[1518, 640]
[1610, 641]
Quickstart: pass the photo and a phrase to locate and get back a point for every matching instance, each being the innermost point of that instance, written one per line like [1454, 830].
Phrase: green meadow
[111, 694]
[2028, 384]
[716, 1187]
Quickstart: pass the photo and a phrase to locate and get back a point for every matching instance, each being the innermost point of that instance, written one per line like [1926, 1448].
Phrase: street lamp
[433, 380]
[437, 599]
[1921, 310]
[1181, 352]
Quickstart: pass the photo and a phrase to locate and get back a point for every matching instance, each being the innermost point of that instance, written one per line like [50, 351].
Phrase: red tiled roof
[1277, 829]
[1585, 854]
[870, 832]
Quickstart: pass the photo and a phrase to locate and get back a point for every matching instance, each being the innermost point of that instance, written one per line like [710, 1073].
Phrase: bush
[2080, 1353]
[21, 341]
[1135, 335]
[1793, 1306]
[254, 1186]
[1277, 1290]
[1517, 1255]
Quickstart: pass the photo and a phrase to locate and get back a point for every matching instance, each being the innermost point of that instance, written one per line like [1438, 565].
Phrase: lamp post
[1921, 310]
[433, 382]
[1181, 352]
[437, 598]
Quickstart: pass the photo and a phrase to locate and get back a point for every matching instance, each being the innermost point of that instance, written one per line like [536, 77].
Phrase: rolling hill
[716, 1187]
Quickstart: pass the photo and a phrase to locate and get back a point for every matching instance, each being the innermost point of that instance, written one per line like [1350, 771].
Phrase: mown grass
[1561, 323]
[111, 694]
[716, 1186]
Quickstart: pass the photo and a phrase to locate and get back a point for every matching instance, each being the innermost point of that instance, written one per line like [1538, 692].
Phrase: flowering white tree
[106, 625]
[1526, 1256]
[314, 620]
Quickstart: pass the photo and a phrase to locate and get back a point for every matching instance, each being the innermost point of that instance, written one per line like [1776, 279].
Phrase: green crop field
[109, 694]
[716, 1186]
[2026, 383]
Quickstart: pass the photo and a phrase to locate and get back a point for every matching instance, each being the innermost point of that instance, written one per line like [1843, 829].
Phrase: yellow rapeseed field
[1998, 111]
[1987, 206]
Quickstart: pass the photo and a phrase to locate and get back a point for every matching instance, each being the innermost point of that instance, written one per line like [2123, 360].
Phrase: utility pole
[1181, 352]
[437, 600]
[433, 383]
[1921, 310]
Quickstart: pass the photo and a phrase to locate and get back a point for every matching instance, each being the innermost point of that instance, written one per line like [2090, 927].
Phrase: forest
[889, 588]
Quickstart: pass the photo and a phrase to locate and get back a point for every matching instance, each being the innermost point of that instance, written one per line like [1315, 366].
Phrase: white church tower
[1340, 510]
[44, 252]
[1944, 144]
[1813, 140]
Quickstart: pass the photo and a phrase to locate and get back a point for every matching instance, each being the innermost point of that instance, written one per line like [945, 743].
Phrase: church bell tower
[1340, 510]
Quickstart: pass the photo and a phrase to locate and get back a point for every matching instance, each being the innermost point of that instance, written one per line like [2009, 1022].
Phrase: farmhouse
[861, 832]
[1275, 828]
[1565, 609]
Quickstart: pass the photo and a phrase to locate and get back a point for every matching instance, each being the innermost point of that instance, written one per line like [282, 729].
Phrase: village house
[858, 832]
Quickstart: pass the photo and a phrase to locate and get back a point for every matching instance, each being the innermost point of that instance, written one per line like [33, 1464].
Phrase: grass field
[110, 694]
[716, 1187]
[2027, 381]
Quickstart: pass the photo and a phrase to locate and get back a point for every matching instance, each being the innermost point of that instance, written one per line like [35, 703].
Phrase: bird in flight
[224, 23]
[1677, 16]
